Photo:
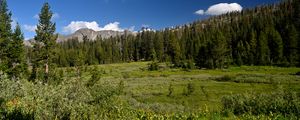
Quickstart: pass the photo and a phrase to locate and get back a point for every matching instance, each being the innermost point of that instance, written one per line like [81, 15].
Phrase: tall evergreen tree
[262, 49]
[45, 40]
[159, 45]
[174, 49]
[253, 47]
[5, 35]
[290, 48]
[276, 46]
[16, 54]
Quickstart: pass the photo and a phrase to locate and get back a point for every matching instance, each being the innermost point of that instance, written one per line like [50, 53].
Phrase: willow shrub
[286, 103]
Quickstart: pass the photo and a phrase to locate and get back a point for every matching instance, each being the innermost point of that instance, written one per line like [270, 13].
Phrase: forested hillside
[265, 35]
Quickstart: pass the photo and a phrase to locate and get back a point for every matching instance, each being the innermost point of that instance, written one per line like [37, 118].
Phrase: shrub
[126, 75]
[171, 90]
[286, 103]
[187, 65]
[96, 76]
[225, 78]
[189, 89]
[121, 87]
[153, 66]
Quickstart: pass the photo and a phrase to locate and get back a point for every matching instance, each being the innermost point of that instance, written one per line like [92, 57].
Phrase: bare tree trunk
[46, 71]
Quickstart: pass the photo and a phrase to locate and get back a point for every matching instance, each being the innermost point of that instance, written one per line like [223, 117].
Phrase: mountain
[91, 35]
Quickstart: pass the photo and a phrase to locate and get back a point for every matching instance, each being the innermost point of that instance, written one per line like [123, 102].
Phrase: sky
[119, 15]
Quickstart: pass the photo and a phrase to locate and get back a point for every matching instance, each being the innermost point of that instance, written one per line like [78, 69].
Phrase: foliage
[285, 103]
[190, 88]
[17, 63]
[5, 36]
[265, 35]
[171, 90]
[44, 45]
[96, 76]
[153, 66]
[226, 78]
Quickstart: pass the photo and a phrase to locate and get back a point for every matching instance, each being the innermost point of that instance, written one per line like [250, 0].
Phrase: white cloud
[30, 28]
[54, 16]
[76, 25]
[200, 12]
[112, 26]
[221, 8]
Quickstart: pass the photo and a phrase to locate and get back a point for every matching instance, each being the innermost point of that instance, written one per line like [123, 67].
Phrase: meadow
[131, 91]
[150, 89]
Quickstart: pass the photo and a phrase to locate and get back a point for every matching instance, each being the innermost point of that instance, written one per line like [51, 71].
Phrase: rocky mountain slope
[91, 35]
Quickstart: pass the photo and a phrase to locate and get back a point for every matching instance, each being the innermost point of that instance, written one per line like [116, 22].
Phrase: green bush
[285, 103]
[121, 87]
[190, 88]
[225, 78]
[153, 66]
[96, 76]
[171, 90]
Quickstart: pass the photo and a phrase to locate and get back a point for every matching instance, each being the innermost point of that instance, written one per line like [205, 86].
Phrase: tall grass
[286, 103]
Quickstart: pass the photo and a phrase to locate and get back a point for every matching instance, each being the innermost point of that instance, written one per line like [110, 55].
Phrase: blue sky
[120, 14]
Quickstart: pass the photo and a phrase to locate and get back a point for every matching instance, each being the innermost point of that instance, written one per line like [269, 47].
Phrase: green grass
[149, 89]
[145, 94]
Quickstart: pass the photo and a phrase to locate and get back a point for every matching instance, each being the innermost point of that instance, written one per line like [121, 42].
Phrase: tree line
[265, 35]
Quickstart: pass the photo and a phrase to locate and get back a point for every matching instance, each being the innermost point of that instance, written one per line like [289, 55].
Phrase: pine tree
[220, 50]
[296, 20]
[159, 45]
[296, 4]
[201, 59]
[291, 45]
[253, 47]
[16, 54]
[5, 35]
[174, 50]
[276, 46]
[45, 40]
[262, 49]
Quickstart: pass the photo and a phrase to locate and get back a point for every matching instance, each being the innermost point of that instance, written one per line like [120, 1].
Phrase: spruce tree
[262, 49]
[45, 40]
[253, 47]
[16, 54]
[5, 35]
[174, 49]
[276, 46]
[159, 45]
[291, 45]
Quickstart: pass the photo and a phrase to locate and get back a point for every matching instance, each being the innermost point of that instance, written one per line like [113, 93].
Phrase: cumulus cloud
[200, 12]
[76, 25]
[112, 26]
[220, 8]
[30, 28]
